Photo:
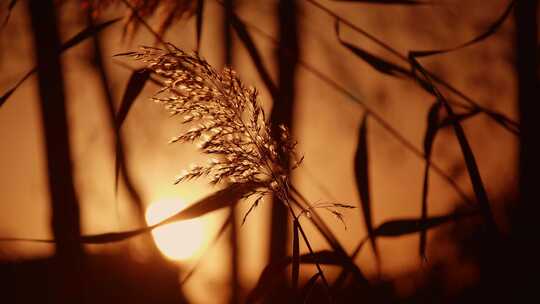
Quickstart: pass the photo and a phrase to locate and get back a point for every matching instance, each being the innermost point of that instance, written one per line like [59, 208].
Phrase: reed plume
[227, 122]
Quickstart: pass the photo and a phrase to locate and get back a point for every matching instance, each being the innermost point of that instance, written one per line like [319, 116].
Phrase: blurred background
[84, 150]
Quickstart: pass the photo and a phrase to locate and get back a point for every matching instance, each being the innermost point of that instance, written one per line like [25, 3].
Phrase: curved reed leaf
[78, 38]
[296, 257]
[361, 168]
[220, 199]
[308, 288]
[271, 272]
[492, 29]
[133, 88]
[429, 138]
[11, 5]
[378, 63]
[400, 227]
[330, 239]
[447, 122]
[246, 39]
[503, 120]
[470, 161]
[221, 231]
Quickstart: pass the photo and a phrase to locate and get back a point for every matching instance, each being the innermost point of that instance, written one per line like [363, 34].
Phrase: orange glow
[179, 241]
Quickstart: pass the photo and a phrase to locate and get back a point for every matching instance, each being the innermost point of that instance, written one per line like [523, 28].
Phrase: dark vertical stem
[528, 97]
[282, 113]
[66, 274]
[233, 236]
[528, 87]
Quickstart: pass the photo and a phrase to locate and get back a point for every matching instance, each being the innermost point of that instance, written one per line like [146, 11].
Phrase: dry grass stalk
[227, 122]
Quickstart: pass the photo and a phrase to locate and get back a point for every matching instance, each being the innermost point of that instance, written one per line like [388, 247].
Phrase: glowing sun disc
[178, 241]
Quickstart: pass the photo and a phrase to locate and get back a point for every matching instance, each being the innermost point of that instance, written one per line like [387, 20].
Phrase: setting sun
[180, 240]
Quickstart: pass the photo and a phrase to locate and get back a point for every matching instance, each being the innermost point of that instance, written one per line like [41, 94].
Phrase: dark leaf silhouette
[400, 227]
[78, 38]
[308, 288]
[509, 124]
[296, 256]
[86, 33]
[271, 272]
[122, 168]
[221, 199]
[446, 122]
[134, 87]
[331, 240]
[470, 161]
[429, 138]
[504, 121]
[253, 206]
[379, 64]
[247, 41]
[361, 169]
[221, 231]
[492, 29]
[6, 95]
[9, 9]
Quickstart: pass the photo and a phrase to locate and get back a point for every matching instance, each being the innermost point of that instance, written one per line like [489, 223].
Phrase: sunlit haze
[178, 241]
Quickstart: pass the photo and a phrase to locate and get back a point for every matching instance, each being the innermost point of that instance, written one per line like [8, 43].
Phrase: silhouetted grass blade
[78, 38]
[429, 138]
[514, 129]
[221, 231]
[361, 169]
[470, 161]
[400, 227]
[504, 121]
[296, 257]
[492, 29]
[134, 87]
[446, 122]
[265, 282]
[253, 206]
[9, 9]
[247, 40]
[220, 199]
[308, 288]
[199, 14]
[6, 95]
[86, 33]
[331, 239]
[379, 64]
[271, 272]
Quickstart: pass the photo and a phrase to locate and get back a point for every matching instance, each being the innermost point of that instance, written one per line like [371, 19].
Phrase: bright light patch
[178, 241]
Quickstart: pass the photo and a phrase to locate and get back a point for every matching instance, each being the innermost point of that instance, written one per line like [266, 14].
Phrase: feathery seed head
[226, 120]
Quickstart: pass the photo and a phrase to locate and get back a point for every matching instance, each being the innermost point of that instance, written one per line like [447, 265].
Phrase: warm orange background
[326, 127]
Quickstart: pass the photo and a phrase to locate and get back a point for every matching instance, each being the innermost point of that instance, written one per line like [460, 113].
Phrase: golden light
[178, 241]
